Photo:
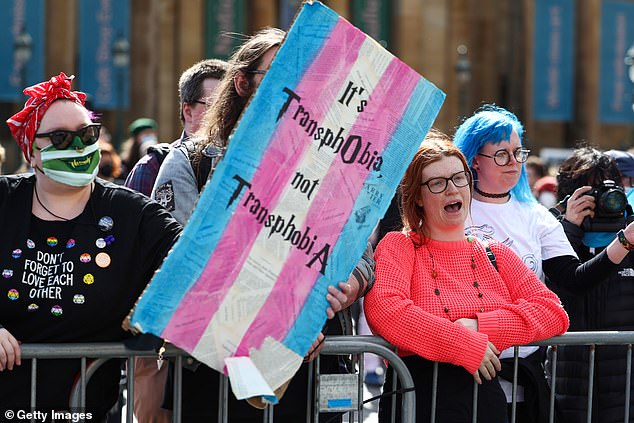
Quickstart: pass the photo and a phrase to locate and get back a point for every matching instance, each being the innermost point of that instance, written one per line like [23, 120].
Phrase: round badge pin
[13, 294]
[102, 260]
[100, 243]
[79, 299]
[89, 279]
[106, 223]
[33, 307]
[51, 241]
[16, 254]
[7, 273]
[56, 310]
[84, 258]
[30, 243]
[70, 243]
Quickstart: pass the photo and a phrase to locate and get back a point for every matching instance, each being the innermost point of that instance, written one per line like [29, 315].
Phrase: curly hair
[435, 146]
[492, 125]
[587, 166]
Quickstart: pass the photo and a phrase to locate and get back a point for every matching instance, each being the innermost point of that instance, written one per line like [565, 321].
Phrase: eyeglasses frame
[508, 155]
[467, 174]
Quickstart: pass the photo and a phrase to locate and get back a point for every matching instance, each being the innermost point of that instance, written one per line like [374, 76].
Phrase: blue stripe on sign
[340, 402]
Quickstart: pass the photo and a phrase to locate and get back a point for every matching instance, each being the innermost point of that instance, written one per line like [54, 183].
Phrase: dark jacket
[74, 281]
[606, 306]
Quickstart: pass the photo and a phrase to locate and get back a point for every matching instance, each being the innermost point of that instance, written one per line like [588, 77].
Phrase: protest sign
[311, 167]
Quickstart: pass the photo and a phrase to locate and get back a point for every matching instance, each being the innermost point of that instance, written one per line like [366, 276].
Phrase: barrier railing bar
[333, 346]
[310, 391]
[434, 391]
[628, 383]
[553, 382]
[225, 403]
[118, 350]
[317, 363]
[78, 394]
[516, 360]
[129, 378]
[83, 381]
[474, 416]
[589, 338]
[361, 362]
[178, 392]
[394, 387]
[590, 383]
[33, 383]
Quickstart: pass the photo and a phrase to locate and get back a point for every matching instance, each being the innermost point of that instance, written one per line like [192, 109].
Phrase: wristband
[624, 242]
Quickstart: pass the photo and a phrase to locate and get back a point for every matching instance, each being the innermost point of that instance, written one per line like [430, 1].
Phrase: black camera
[610, 209]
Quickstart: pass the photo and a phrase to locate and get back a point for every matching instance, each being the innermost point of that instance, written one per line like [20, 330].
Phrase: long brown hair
[435, 146]
[222, 116]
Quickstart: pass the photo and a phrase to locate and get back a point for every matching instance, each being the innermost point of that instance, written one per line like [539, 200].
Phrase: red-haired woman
[438, 296]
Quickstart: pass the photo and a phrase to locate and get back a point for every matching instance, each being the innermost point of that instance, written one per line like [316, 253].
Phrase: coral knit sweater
[403, 307]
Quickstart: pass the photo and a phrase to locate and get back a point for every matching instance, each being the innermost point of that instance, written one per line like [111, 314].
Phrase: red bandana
[25, 123]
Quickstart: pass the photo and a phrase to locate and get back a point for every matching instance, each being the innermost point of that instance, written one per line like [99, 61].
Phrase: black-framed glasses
[62, 138]
[439, 184]
[503, 157]
[205, 103]
[256, 72]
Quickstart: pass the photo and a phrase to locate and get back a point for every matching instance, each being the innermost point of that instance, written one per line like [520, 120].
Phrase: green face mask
[76, 166]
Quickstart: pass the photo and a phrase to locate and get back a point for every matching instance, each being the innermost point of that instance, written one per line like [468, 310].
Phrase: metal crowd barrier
[101, 352]
[334, 345]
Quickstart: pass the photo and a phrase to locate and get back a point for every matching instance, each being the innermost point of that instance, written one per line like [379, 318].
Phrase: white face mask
[71, 167]
[146, 141]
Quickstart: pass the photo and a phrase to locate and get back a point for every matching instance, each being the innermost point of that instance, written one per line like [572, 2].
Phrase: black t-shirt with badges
[74, 281]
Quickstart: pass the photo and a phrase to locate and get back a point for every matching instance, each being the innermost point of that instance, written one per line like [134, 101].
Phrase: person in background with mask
[546, 191]
[110, 163]
[625, 162]
[606, 306]
[76, 251]
[142, 136]
[535, 170]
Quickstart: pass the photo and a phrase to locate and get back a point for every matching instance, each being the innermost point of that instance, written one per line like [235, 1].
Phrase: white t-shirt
[528, 229]
[532, 232]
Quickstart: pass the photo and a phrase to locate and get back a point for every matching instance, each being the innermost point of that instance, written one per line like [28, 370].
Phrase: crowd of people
[484, 249]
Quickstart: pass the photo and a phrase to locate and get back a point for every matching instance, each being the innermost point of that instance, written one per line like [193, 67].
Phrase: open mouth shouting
[454, 206]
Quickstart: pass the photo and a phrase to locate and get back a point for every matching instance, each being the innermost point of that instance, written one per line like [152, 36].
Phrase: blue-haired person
[503, 209]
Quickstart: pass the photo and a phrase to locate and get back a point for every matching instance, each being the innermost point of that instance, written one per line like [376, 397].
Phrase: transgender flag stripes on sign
[310, 168]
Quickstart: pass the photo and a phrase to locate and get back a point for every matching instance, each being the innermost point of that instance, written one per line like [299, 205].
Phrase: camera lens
[613, 201]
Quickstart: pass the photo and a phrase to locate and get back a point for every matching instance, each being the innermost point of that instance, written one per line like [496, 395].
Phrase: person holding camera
[505, 210]
[594, 214]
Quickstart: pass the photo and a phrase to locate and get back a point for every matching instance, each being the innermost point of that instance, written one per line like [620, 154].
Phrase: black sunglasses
[62, 138]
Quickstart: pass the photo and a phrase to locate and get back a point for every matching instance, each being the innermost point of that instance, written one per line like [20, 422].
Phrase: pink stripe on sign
[385, 111]
[278, 164]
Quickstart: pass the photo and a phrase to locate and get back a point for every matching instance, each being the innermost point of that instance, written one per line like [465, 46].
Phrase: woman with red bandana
[75, 252]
